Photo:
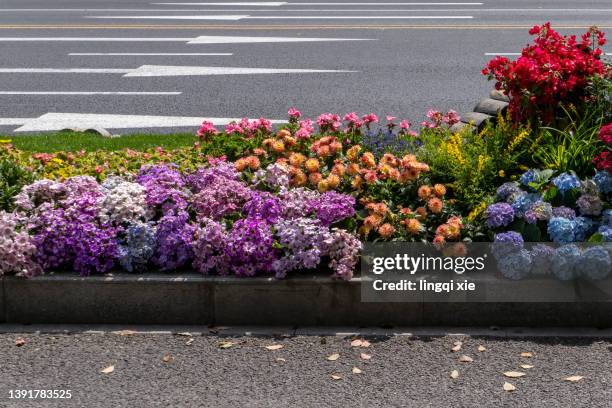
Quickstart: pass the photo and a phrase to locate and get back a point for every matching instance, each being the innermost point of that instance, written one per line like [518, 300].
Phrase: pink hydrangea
[306, 129]
[294, 113]
[207, 129]
[369, 119]
[329, 122]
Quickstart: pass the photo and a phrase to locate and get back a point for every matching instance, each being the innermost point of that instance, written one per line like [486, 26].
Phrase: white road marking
[94, 39]
[214, 39]
[221, 18]
[336, 4]
[167, 70]
[160, 70]
[234, 3]
[13, 121]
[85, 93]
[145, 54]
[247, 17]
[58, 121]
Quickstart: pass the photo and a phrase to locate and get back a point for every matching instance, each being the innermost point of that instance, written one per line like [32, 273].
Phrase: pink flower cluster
[437, 118]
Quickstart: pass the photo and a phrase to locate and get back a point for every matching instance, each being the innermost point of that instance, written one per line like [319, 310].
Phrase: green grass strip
[75, 141]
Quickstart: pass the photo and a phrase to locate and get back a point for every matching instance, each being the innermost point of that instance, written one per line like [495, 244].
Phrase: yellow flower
[478, 211]
[5, 141]
[502, 173]
[453, 147]
[518, 139]
[482, 161]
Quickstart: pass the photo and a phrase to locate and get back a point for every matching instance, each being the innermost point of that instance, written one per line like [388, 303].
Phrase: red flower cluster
[603, 161]
[554, 69]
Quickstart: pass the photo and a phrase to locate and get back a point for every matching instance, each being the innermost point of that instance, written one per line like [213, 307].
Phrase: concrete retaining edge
[191, 299]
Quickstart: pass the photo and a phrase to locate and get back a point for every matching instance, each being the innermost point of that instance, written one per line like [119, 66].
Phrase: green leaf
[596, 238]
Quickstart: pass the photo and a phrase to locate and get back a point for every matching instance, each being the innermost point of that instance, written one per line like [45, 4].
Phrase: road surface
[158, 369]
[180, 62]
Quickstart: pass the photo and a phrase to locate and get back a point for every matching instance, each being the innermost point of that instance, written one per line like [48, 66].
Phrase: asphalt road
[420, 55]
[152, 370]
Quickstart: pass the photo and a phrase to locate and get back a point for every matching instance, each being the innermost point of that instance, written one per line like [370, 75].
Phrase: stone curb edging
[485, 111]
[191, 299]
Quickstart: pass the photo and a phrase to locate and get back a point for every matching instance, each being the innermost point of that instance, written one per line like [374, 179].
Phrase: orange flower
[405, 211]
[339, 169]
[335, 146]
[268, 142]
[278, 146]
[353, 169]
[455, 220]
[323, 186]
[290, 141]
[435, 205]
[378, 208]
[297, 159]
[370, 176]
[333, 181]
[439, 190]
[424, 192]
[314, 178]
[353, 153]
[368, 160]
[241, 164]
[253, 162]
[260, 152]
[389, 159]
[356, 183]
[439, 241]
[394, 174]
[298, 177]
[312, 165]
[386, 230]
[413, 226]
[283, 133]
[421, 212]
[372, 221]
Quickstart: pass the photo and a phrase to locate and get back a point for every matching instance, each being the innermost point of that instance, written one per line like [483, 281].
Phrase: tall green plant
[12, 178]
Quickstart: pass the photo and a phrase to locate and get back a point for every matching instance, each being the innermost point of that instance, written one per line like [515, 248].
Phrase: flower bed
[252, 200]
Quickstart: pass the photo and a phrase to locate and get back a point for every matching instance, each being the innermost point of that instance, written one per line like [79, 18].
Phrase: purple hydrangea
[332, 207]
[564, 262]
[174, 236]
[499, 215]
[297, 202]
[250, 247]
[505, 243]
[515, 265]
[220, 197]
[264, 206]
[594, 263]
[561, 230]
[137, 246]
[589, 204]
[209, 248]
[564, 212]
[17, 248]
[541, 255]
[344, 253]
[164, 187]
[508, 191]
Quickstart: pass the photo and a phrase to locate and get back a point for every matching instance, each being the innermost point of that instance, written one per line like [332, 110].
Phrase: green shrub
[12, 178]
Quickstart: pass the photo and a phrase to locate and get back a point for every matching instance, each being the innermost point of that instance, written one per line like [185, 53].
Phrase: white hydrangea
[123, 202]
[16, 248]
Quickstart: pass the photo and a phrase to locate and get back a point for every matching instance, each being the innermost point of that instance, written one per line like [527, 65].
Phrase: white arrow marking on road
[215, 39]
[59, 121]
[160, 70]
[223, 18]
[169, 70]
[93, 39]
[147, 54]
[85, 93]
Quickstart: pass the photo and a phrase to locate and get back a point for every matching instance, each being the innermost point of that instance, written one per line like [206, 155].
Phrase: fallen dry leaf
[225, 344]
[509, 387]
[454, 374]
[365, 356]
[456, 347]
[514, 374]
[336, 377]
[482, 349]
[356, 370]
[274, 347]
[20, 341]
[108, 369]
[466, 359]
[124, 332]
[526, 366]
[167, 358]
[188, 342]
[527, 354]
[360, 343]
[333, 357]
[280, 360]
[187, 334]
[573, 378]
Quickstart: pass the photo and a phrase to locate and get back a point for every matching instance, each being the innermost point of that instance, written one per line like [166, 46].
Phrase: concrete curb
[191, 299]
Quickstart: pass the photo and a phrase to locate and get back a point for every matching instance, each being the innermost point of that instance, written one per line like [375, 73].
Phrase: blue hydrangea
[583, 228]
[594, 263]
[530, 176]
[516, 265]
[541, 255]
[566, 182]
[506, 243]
[606, 233]
[603, 179]
[561, 230]
[523, 202]
[137, 247]
[606, 218]
[508, 191]
[564, 262]
[541, 210]
[499, 215]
